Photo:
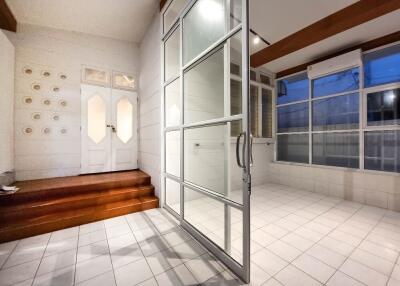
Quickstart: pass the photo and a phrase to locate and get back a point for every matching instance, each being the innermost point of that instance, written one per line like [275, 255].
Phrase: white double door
[108, 129]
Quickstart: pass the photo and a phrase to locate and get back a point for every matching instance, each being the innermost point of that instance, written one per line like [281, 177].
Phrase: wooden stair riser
[31, 230]
[72, 190]
[11, 215]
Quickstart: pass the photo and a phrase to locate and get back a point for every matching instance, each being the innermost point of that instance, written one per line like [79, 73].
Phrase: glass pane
[210, 217]
[96, 118]
[236, 97]
[294, 88]
[173, 195]
[266, 113]
[204, 157]
[383, 107]
[208, 152]
[347, 80]
[292, 148]
[173, 12]
[254, 116]
[124, 120]
[382, 151]
[336, 149]
[172, 48]
[334, 113]
[293, 118]
[172, 153]
[172, 104]
[123, 81]
[96, 76]
[204, 89]
[382, 66]
[205, 23]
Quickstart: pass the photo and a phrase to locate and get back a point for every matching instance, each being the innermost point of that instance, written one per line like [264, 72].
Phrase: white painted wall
[7, 62]
[150, 104]
[39, 155]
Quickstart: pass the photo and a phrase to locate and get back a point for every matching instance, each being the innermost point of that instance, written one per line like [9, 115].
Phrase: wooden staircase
[47, 205]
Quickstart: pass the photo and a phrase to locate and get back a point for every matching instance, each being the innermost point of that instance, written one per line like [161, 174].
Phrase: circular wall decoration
[46, 74]
[46, 130]
[55, 88]
[36, 116]
[63, 76]
[27, 100]
[63, 131]
[55, 117]
[27, 71]
[27, 130]
[46, 101]
[36, 86]
[63, 103]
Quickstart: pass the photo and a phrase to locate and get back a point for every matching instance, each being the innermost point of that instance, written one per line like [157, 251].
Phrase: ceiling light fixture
[256, 40]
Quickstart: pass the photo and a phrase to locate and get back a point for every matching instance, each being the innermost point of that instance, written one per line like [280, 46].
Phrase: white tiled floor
[298, 238]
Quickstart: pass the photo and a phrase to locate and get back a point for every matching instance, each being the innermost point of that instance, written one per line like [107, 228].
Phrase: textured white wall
[372, 188]
[150, 104]
[7, 61]
[41, 155]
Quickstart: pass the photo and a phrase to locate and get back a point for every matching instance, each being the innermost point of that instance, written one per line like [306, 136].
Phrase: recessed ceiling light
[256, 40]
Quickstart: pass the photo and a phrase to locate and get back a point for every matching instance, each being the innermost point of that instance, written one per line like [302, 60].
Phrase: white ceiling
[277, 19]
[118, 19]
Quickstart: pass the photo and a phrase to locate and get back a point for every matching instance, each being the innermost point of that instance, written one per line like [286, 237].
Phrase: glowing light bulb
[256, 40]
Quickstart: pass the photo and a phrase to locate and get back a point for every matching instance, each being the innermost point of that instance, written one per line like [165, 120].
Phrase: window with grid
[329, 119]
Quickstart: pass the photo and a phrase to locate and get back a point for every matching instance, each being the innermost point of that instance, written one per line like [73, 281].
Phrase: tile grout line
[144, 257]
[41, 259]
[355, 248]
[8, 257]
[76, 257]
[109, 252]
[391, 272]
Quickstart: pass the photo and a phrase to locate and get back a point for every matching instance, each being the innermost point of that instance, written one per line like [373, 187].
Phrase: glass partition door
[200, 159]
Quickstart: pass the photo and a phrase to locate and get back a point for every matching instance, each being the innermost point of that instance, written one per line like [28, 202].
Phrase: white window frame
[260, 86]
[363, 124]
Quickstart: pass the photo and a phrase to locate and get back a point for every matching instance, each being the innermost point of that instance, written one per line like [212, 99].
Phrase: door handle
[113, 129]
[251, 149]
[238, 161]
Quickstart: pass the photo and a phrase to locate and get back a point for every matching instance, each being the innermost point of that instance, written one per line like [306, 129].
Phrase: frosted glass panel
[207, 22]
[172, 153]
[172, 104]
[173, 195]
[124, 120]
[172, 46]
[204, 89]
[96, 118]
[172, 13]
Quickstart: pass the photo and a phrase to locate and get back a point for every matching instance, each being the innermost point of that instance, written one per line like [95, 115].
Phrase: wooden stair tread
[70, 198]
[47, 205]
[54, 217]
[78, 181]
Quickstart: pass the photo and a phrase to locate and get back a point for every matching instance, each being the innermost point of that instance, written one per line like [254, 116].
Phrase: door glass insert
[206, 22]
[172, 51]
[173, 195]
[172, 104]
[124, 119]
[172, 153]
[210, 216]
[96, 119]
[204, 89]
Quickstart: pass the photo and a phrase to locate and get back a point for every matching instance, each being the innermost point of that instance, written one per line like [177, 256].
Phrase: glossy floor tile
[297, 238]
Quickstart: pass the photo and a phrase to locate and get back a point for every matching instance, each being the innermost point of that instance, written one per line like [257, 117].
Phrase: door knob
[113, 129]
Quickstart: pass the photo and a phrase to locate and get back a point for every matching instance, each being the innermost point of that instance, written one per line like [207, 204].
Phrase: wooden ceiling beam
[340, 21]
[162, 3]
[375, 43]
[7, 19]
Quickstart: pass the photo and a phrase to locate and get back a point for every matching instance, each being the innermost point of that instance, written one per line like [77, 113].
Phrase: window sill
[351, 170]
